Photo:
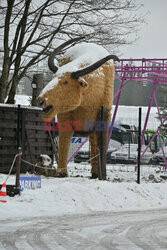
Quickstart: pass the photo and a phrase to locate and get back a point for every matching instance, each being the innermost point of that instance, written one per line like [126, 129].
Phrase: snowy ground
[81, 194]
[80, 213]
[100, 230]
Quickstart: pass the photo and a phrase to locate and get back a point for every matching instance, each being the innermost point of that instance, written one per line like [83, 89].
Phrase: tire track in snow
[102, 230]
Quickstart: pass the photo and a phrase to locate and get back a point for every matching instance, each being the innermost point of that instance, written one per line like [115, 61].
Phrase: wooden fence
[22, 126]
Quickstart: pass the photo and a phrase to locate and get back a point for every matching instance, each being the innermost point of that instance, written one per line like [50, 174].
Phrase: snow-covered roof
[129, 115]
[23, 100]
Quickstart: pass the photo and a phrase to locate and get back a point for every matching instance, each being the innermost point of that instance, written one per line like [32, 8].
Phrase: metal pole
[18, 126]
[102, 146]
[18, 169]
[129, 145]
[116, 108]
[139, 147]
[148, 112]
[101, 140]
[99, 165]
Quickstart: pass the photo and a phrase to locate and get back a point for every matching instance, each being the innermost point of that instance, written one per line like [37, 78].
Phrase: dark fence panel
[33, 139]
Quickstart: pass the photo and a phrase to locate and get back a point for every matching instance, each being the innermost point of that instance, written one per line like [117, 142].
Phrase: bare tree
[31, 28]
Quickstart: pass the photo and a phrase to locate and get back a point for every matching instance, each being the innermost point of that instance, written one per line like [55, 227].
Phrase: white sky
[153, 35]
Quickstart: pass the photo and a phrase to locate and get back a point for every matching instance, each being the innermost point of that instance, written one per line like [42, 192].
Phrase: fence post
[18, 169]
[139, 147]
[102, 146]
[99, 165]
[18, 126]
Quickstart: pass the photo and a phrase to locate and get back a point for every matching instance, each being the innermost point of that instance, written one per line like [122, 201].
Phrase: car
[84, 153]
[128, 153]
[112, 147]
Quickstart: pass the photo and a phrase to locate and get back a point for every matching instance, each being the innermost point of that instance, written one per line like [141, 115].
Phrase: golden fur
[77, 101]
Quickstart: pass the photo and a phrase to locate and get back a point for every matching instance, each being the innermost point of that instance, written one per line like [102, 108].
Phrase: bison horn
[89, 69]
[56, 51]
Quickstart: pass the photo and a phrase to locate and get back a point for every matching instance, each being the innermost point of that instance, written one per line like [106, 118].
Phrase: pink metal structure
[142, 70]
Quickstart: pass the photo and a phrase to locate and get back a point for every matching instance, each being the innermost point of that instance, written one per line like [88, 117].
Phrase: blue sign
[76, 140]
[30, 182]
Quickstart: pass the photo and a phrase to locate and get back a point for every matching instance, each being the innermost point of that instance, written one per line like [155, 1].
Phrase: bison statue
[82, 84]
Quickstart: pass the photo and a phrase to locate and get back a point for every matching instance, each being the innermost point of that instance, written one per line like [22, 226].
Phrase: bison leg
[64, 144]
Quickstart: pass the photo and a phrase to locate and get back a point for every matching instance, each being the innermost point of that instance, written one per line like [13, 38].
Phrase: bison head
[64, 92]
